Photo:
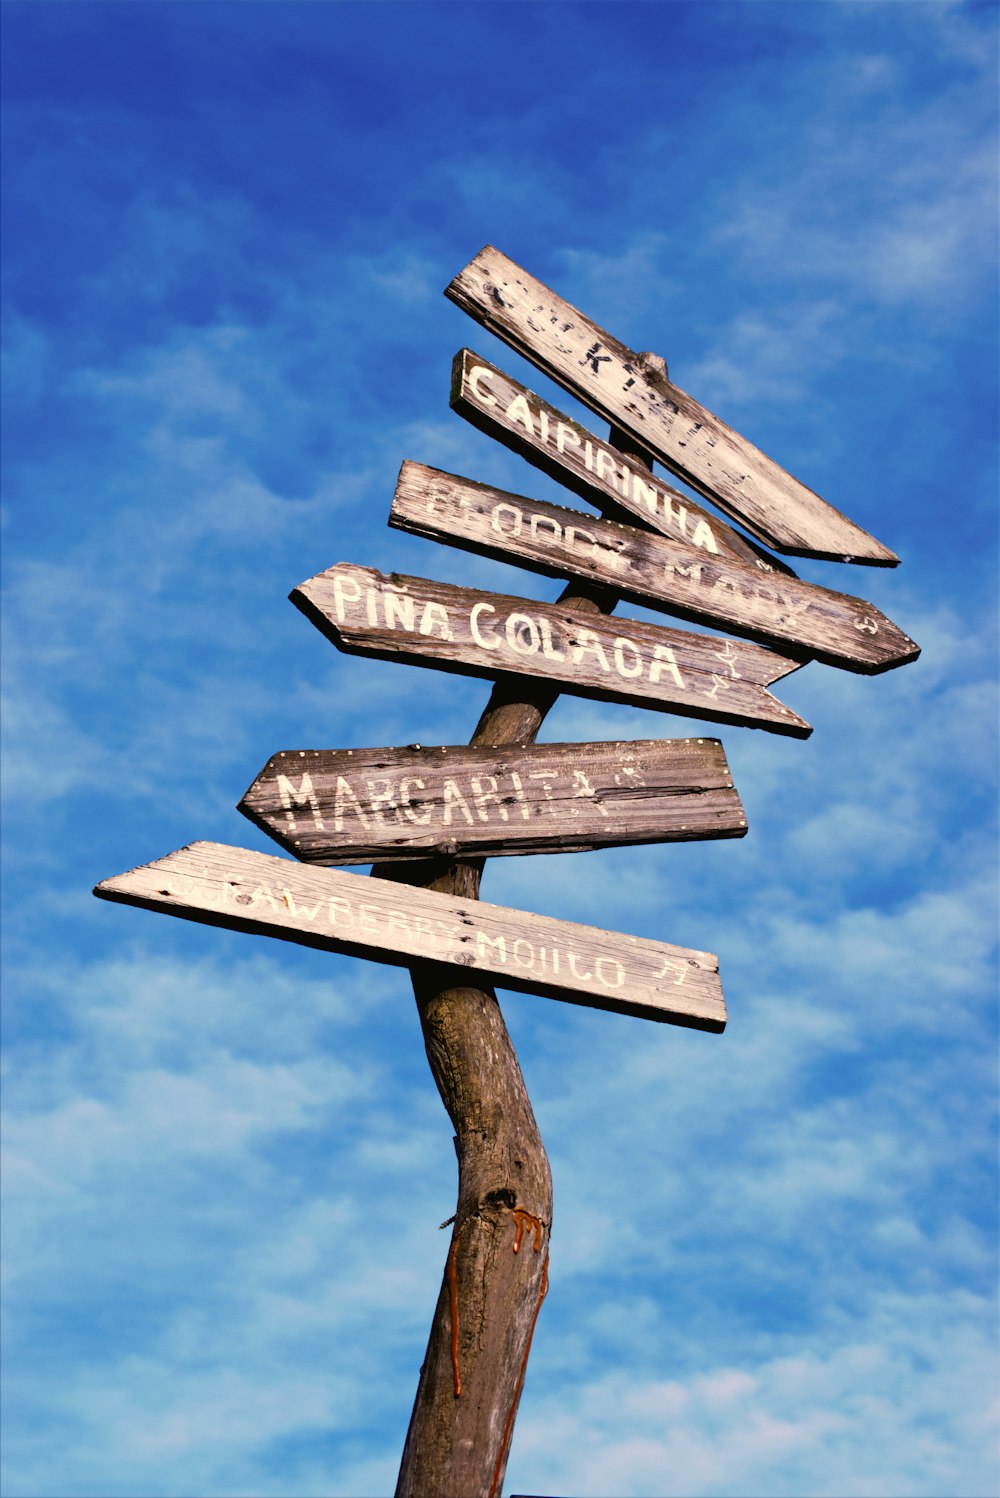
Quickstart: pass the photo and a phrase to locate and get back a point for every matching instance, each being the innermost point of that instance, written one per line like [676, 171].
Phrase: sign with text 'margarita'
[333, 806]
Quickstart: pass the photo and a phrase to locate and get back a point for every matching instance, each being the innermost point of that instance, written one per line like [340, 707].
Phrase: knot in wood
[654, 366]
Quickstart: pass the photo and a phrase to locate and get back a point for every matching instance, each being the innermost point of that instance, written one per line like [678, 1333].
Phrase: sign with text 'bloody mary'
[334, 806]
[613, 380]
[649, 569]
[394, 923]
[394, 617]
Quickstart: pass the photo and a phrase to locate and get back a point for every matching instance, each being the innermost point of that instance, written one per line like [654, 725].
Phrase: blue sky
[228, 228]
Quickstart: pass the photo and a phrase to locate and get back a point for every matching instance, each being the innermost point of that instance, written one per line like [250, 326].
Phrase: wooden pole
[496, 1273]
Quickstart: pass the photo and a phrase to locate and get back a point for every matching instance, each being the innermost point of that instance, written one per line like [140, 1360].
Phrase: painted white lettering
[484, 790]
[304, 796]
[300, 910]
[618, 972]
[406, 801]
[340, 912]
[587, 643]
[632, 668]
[607, 468]
[263, 896]
[522, 947]
[665, 660]
[519, 412]
[515, 781]
[368, 918]
[422, 927]
[381, 801]
[704, 536]
[345, 590]
[577, 538]
[643, 494]
[538, 521]
[581, 977]
[345, 800]
[546, 777]
[565, 434]
[477, 635]
[398, 610]
[497, 956]
[452, 796]
[522, 634]
[435, 616]
[692, 570]
[478, 375]
[548, 648]
[496, 520]
[398, 922]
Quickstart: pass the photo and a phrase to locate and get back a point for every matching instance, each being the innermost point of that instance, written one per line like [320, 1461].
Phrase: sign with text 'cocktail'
[614, 660]
[649, 569]
[596, 471]
[610, 378]
[394, 923]
[371, 805]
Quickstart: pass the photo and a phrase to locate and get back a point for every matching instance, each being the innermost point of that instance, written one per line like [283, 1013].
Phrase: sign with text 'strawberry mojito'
[261, 894]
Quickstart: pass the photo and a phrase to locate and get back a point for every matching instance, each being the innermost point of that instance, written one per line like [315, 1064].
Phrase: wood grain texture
[693, 443]
[618, 485]
[649, 569]
[397, 617]
[347, 806]
[392, 923]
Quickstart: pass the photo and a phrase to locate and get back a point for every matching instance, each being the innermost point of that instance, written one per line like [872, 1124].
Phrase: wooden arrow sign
[394, 923]
[649, 569]
[486, 634]
[599, 473]
[701, 449]
[372, 805]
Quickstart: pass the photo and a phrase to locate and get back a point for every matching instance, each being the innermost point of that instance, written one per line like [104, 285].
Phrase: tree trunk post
[496, 1273]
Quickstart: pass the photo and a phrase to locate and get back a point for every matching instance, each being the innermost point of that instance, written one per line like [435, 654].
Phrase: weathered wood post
[498, 1261]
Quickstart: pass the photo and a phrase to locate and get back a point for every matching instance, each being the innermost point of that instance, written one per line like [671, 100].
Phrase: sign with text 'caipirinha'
[649, 569]
[394, 617]
[614, 381]
[395, 923]
[332, 806]
[602, 475]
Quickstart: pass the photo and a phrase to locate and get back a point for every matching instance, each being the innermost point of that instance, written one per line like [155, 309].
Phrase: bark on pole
[496, 1272]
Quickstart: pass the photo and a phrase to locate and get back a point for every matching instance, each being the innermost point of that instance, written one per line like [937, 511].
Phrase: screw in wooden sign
[430, 817]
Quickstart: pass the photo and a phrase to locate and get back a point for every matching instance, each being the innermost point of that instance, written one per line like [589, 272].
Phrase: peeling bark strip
[649, 569]
[597, 471]
[484, 634]
[342, 806]
[392, 923]
[701, 449]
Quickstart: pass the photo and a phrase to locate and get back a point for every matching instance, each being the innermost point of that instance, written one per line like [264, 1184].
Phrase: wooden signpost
[427, 818]
[368, 805]
[603, 475]
[393, 923]
[649, 569]
[618, 660]
[716, 461]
